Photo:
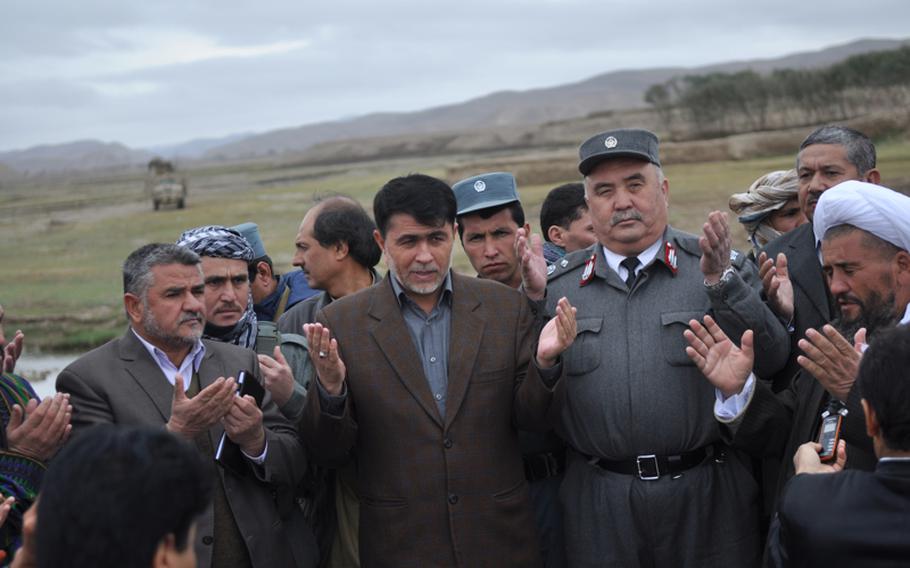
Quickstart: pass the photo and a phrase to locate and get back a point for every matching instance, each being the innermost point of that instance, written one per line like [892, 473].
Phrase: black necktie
[630, 264]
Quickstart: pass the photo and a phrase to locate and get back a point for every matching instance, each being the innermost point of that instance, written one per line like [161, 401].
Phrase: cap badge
[480, 185]
[588, 271]
[610, 142]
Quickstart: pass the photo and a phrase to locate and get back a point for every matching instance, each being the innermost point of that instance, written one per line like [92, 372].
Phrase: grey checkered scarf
[222, 242]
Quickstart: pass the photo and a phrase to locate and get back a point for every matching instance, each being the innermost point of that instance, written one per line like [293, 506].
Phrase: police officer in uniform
[648, 480]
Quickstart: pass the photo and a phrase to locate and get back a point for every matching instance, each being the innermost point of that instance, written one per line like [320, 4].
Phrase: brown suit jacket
[437, 490]
[120, 383]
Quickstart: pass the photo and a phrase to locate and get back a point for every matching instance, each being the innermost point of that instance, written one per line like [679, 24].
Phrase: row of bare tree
[725, 103]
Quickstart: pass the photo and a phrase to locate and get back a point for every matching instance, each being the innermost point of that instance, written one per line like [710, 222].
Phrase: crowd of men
[615, 392]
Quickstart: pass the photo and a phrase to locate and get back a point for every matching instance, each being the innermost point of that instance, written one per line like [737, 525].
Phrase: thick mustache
[630, 214]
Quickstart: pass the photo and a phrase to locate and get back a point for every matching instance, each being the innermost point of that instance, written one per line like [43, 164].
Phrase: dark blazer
[845, 519]
[437, 490]
[120, 383]
[811, 302]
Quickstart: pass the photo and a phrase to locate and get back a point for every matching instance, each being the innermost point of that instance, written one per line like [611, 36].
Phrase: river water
[41, 369]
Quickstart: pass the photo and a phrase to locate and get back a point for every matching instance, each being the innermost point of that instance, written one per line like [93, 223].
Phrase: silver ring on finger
[323, 354]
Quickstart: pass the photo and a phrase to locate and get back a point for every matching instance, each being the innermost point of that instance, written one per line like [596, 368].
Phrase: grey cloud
[372, 56]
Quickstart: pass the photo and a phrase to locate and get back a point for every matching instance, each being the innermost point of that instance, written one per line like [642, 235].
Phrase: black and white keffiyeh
[223, 242]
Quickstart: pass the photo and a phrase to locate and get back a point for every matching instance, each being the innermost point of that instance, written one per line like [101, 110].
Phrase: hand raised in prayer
[190, 416]
[715, 244]
[557, 335]
[725, 365]
[831, 359]
[277, 376]
[11, 352]
[243, 424]
[323, 348]
[529, 250]
[775, 280]
[40, 430]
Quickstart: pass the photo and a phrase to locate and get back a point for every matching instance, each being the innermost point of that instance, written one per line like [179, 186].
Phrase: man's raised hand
[323, 348]
[715, 244]
[831, 359]
[38, 431]
[557, 335]
[725, 365]
[190, 416]
[277, 376]
[776, 284]
[529, 250]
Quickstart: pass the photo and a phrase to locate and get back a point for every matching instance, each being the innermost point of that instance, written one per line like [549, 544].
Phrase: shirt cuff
[260, 459]
[331, 404]
[728, 409]
[550, 376]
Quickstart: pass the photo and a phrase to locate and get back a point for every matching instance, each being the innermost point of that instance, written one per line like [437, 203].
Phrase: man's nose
[423, 253]
[193, 303]
[489, 249]
[838, 286]
[622, 200]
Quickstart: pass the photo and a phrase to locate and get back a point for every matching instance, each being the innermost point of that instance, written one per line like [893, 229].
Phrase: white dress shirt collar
[188, 366]
[645, 258]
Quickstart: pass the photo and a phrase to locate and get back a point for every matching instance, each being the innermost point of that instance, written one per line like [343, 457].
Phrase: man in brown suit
[161, 374]
[425, 379]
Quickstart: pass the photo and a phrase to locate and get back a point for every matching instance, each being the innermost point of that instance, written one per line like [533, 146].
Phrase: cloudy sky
[165, 71]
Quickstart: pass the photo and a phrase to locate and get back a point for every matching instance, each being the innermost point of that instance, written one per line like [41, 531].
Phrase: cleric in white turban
[873, 208]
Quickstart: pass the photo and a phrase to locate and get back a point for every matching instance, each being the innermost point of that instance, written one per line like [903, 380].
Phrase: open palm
[725, 365]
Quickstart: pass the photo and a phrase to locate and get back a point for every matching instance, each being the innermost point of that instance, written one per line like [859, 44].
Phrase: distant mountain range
[609, 91]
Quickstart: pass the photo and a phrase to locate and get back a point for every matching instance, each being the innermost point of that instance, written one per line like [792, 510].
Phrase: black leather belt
[545, 465]
[649, 467]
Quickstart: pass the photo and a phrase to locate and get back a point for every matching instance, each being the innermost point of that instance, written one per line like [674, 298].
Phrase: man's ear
[554, 233]
[263, 271]
[341, 250]
[377, 236]
[134, 307]
[902, 265]
[873, 176]
[165, 552]
[873, 428]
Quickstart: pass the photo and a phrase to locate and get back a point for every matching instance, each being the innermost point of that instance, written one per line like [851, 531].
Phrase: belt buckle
[646, 473]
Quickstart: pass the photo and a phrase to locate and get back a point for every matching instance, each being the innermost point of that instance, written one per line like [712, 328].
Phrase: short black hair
[343, 220]
[113, 493]
[884, 381]
[518, 214]
[562, 206]
[859, 148]
[430, 201]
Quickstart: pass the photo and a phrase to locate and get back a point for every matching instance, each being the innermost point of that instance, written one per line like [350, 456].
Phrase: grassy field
[63, 242]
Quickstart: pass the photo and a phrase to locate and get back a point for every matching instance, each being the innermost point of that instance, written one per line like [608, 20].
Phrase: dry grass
[64, 260]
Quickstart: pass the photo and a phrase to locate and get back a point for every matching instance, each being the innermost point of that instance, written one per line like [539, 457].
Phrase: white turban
[873, 208]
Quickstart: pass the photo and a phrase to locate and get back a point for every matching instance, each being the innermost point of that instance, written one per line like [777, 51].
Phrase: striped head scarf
[222, 242]
[766, 194]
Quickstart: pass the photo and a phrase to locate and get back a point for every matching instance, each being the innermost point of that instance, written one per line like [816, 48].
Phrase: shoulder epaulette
[568, 263]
